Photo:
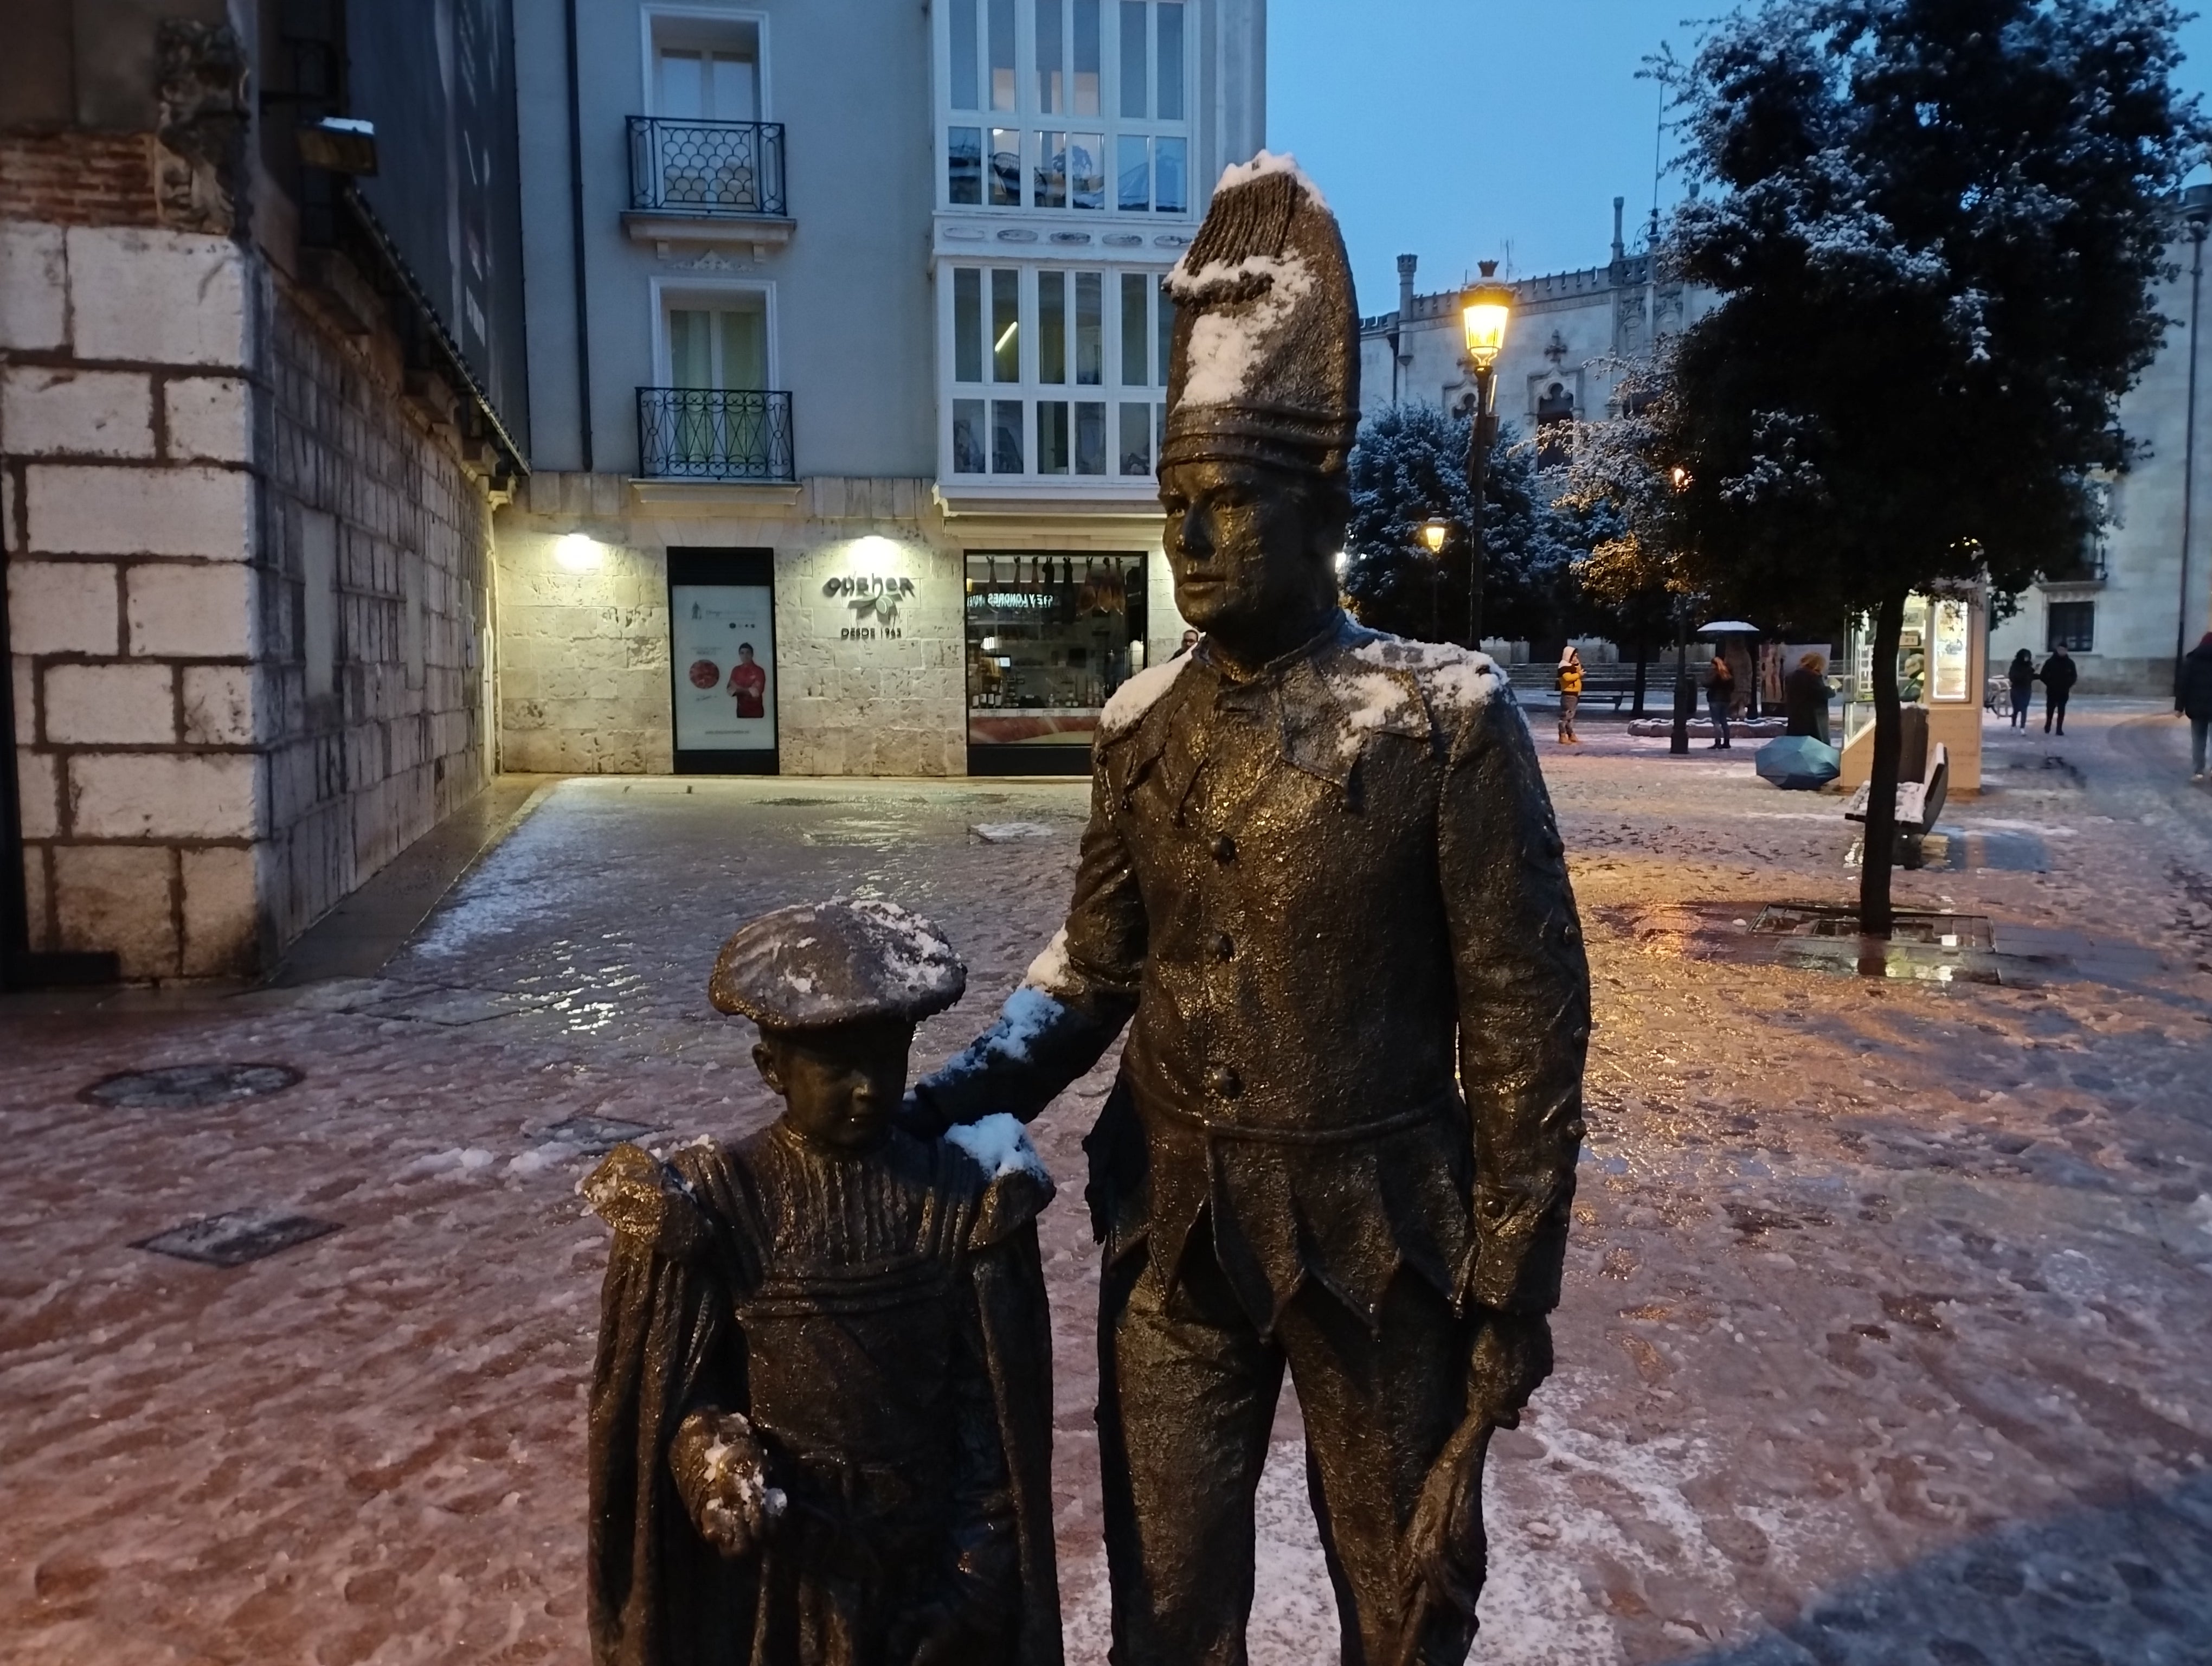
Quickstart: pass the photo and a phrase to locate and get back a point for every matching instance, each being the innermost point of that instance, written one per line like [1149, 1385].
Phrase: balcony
[707, 182]
[715, 434]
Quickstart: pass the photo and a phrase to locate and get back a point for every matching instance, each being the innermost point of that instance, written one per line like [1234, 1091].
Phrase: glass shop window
[1050, 637]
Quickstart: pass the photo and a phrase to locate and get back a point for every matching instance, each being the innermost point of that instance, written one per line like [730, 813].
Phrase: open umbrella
[1728, 628]
[1798, 763]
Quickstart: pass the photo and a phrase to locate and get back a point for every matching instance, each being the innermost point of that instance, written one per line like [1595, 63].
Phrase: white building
[2148, 583]
[1568, 328]
[847, 340]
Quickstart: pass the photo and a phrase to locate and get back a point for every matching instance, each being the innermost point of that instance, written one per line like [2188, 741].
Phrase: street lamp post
[1485, 310]
[1685, 691]
[1433, 534]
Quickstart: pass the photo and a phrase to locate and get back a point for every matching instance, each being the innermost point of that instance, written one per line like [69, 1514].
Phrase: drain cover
[594, 1134]
[1910, 926]
[236, 1239]
[183, 1086]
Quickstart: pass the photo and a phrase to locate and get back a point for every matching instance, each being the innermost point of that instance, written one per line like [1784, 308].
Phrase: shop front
[833, 628]
[1049, 637]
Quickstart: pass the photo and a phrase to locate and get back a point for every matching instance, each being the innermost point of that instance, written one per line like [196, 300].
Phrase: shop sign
[870, 597]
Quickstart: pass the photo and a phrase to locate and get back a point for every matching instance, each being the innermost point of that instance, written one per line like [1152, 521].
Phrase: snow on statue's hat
[819, 964]
[1265, 365]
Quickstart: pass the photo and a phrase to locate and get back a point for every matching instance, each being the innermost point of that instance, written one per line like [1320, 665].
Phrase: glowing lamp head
[579, 554]
[1485, 309]
[1433, 534]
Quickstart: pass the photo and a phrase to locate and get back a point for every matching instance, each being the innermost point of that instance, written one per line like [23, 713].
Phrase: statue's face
[840, 1085]
[1241, 541]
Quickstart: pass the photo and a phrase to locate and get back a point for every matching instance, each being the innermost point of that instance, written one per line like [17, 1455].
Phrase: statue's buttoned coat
[1334, 900]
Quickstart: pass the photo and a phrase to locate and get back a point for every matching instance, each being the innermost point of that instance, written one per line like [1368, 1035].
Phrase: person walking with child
[1570, 693]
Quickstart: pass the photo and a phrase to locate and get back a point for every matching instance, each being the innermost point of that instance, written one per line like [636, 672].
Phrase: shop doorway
[1050, 637]
[721, 642]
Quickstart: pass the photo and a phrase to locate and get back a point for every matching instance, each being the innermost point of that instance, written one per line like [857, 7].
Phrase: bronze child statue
[821, 1415]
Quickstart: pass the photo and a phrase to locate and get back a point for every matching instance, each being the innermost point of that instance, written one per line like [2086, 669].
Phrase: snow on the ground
[1884, 1338]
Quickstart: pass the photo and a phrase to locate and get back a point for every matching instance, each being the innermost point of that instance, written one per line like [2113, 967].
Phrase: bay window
[1090, 330]
[1084, 59]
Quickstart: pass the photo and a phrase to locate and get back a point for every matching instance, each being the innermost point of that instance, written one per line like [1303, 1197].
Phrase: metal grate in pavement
[236, 1237]
[188, 1086]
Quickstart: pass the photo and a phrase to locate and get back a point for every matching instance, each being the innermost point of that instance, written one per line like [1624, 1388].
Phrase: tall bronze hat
[1265, 365]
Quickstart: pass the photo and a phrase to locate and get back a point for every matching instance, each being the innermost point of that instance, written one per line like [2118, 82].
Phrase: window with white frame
[705, 68]
[1080, 105]
[1057, 371]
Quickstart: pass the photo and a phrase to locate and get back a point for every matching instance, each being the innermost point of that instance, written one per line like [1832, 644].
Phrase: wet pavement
[1885, 1336]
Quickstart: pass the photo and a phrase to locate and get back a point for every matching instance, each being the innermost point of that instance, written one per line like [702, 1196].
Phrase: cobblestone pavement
[1885, 1333]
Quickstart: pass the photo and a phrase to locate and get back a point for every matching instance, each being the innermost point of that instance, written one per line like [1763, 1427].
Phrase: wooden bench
[1613, 680]
[1919, 802]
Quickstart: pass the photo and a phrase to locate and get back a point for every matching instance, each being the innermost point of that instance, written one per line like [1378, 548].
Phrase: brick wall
[78, 178]
[172, 414]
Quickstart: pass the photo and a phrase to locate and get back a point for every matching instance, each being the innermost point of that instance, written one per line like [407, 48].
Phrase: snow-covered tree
[1935, 233]
[1410, 467]
[1615, 490]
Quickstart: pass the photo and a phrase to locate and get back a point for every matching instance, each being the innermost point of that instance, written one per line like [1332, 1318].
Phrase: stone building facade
[1570, 331]
[246, 527]
[871, 296]
[2145, 588]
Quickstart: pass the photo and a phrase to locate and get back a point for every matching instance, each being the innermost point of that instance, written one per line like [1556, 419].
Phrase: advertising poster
[724, 646]
[1951, 652]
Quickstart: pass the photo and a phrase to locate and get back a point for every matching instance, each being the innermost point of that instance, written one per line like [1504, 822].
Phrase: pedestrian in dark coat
[2021, 673]
[2192, 697]
[2058, 676]
[1720, 699]
[1805, 699]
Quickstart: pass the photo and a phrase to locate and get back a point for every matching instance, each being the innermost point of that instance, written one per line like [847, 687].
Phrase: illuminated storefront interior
[1050, 637]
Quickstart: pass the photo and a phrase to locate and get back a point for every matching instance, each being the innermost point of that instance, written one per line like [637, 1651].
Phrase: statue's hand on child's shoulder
[722, 1476]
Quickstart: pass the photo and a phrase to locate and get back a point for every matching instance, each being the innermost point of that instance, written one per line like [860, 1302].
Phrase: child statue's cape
[690, 1256]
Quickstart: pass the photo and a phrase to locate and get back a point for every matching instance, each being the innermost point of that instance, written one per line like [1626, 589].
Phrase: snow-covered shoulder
[1267, 163]
[1456, 678]
[1000, 1145]
[1137, 697]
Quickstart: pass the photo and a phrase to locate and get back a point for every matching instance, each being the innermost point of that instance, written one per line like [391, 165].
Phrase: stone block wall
[171, 410]
[358, 770]
[872, 707]
[583, 648]
[131, 578]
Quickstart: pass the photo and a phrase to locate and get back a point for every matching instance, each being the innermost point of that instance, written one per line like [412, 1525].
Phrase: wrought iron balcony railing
[714, 434]
[706, 167]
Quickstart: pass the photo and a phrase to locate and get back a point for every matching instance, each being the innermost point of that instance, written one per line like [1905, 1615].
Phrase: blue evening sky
[1466, 129]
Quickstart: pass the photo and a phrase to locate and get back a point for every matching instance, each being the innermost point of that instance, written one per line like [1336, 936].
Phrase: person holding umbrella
[1720, 698]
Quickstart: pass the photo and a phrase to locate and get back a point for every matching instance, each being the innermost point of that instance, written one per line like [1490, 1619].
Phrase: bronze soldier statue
[821, 1421]
[1323, 882]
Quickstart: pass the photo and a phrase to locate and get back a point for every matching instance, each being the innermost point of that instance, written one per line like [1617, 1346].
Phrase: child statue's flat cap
[820, 964]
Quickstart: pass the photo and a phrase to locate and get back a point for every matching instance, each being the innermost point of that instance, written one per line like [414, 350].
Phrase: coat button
[1223, 1080]
[1223, 948]
[1224, 847]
